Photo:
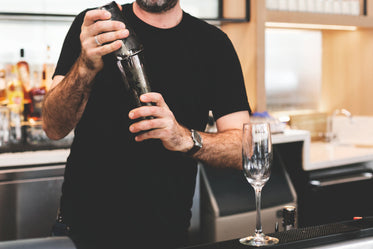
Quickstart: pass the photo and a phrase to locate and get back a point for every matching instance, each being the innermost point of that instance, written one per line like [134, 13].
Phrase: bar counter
[34, 148]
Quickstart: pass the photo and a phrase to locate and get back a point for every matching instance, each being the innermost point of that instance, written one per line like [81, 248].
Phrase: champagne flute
[257, 158]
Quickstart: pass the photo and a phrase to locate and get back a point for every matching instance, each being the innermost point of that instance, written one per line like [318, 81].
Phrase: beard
[156, 6]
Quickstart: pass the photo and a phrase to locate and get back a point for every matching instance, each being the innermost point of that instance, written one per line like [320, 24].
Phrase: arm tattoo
[65, 103]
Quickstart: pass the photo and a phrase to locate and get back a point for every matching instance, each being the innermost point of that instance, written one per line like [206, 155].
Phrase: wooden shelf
[317, 18]
[346, 57]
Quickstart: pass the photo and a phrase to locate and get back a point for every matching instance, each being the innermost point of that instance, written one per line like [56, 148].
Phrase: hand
[100, 36]
[164, 125]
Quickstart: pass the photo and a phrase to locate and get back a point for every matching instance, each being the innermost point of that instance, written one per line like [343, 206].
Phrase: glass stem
[258, 196]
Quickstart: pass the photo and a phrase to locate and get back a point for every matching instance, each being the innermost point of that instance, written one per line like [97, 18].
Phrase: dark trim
[220, 17]
[34, 14]
[220, 9]
[248, 9]
[365, 12]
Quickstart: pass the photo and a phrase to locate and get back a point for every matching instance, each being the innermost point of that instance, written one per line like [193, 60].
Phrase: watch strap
[197, 145]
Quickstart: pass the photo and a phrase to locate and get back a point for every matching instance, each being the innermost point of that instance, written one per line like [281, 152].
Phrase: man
[130, 184]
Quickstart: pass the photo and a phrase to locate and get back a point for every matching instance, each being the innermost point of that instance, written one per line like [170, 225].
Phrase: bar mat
[309, 236]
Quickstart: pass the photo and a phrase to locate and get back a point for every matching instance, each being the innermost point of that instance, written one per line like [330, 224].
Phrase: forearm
[221, 149]
[65, 103]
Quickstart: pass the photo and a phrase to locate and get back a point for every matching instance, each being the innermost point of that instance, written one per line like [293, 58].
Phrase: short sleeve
[71, 47]
[229, 92]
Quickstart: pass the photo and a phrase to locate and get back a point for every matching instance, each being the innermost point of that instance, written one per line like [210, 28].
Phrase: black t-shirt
[116, 189]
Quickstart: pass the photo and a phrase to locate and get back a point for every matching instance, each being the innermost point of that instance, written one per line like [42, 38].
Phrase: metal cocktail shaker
[130, 60]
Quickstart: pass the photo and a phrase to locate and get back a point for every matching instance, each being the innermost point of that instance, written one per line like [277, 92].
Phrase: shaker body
[133, 74]
[130, 59]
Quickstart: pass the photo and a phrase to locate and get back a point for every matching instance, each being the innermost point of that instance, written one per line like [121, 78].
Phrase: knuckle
[98, 25]
[89, 15]
[84, 43]
[152, 122]
[169, 113]
[82, 36]
[90, 53]
[153, 109]
[158, 96]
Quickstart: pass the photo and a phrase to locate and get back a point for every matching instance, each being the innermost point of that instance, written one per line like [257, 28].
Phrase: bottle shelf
[318, 18]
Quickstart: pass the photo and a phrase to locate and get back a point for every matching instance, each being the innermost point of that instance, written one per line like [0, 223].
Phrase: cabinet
[30, 198]
[346, 58]
[30, 190]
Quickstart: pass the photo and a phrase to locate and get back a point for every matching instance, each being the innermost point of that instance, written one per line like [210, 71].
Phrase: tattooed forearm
[64, 104]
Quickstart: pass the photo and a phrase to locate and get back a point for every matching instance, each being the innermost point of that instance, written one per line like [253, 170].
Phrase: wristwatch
[197, 142]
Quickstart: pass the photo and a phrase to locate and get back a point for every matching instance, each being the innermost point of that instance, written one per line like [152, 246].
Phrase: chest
[177, 72]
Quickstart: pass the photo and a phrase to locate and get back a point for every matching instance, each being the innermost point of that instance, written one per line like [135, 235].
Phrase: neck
[164, 20]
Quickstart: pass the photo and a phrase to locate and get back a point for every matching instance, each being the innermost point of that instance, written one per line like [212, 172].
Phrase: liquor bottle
[37, 94]
[15, 104]
[3, 90]
[15, 91]
[23, 70]
[48, 67]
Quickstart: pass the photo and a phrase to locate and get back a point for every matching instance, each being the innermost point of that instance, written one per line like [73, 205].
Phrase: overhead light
[308, 26]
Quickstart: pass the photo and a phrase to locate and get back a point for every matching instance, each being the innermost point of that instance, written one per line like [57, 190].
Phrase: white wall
[34, 37]
[34, 34]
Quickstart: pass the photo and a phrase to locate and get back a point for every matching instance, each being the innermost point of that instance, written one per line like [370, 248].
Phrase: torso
[106, 166]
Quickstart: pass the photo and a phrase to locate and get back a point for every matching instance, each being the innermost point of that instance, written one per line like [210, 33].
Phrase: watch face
[197, 142]
[197, 138]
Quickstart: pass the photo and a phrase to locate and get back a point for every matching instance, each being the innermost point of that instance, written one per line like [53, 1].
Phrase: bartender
[130, 183]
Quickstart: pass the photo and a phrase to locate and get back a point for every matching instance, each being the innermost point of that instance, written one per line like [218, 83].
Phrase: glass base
[259, 240]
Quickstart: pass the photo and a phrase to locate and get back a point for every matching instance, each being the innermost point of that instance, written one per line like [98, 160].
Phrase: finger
[111, 36]
[154, 97]
[107, 48]
[146, 111]
[96, 52]
[106, 26]
[150, 134]
[147, 124]
[93, 16]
